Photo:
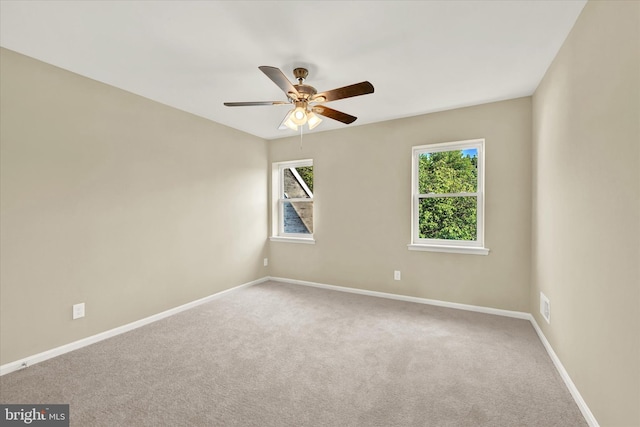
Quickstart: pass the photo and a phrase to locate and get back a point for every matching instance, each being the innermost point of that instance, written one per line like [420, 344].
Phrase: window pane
[296, 184]
[448, 172]
[298, 217]
[306, 173]
[450, 218]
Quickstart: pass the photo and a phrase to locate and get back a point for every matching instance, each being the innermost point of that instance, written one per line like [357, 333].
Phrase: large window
[448, 197]
[293, 201]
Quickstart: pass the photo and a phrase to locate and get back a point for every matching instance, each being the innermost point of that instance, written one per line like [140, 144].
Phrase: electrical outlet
[396, 275]
[545, 307]
[78, 311]
[266, 262]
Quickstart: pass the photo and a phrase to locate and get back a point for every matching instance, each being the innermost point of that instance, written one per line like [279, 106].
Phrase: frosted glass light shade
[287, 122]
[299, 116]
[313, 120]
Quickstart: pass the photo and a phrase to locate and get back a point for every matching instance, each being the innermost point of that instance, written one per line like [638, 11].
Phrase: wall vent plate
[545, 307]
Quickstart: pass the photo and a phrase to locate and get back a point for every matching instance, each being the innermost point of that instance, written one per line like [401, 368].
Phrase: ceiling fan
[306, 99]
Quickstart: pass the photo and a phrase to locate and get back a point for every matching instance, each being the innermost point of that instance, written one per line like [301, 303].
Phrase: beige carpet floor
[278, 354]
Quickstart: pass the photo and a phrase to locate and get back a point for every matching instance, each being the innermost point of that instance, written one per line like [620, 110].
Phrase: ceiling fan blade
[250, 104]
[334, 114]
[281, 80]
[357, 89]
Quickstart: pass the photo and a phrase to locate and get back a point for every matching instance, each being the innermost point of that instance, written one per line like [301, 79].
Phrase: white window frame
[444, 245]
[277, 202]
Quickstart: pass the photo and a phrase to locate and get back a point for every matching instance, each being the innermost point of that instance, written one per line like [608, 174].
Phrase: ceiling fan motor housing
[305, 91]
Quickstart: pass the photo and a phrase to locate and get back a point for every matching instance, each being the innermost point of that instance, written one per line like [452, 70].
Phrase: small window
[448, 197]
[293, 201]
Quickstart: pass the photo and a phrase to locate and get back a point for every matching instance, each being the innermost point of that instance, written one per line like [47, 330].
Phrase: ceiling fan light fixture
[313, 120]
[299, 115]
[288, 123]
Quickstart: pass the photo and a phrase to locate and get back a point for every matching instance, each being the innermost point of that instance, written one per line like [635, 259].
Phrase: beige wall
[362, 189]
[134, 207]
[586, 208]
[116, 201]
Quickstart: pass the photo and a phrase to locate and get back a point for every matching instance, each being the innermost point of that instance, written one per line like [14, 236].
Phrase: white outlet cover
[396, 275]
[78, 311]
[266, 262]
[545, 307]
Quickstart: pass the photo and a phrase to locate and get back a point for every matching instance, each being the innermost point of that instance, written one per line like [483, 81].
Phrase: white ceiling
[421, 56]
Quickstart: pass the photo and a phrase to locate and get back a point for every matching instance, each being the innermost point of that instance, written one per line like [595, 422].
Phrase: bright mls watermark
[34, 415]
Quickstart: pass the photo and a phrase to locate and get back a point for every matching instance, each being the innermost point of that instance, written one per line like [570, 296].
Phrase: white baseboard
[582, 405]
[48, 354]
[476, 308]
[586, 412]
[40, 357]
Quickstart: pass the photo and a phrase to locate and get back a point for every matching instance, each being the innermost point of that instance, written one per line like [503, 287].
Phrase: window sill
[449, 249]
[304, 240]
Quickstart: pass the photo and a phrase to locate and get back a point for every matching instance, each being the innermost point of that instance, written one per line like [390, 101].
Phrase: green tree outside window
[442, 215]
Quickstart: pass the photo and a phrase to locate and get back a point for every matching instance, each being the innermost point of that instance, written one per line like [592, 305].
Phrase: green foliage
[448, 172]
[306, 173]
[451, 218]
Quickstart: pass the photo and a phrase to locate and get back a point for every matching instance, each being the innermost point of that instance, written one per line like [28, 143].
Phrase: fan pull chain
[301, 127]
